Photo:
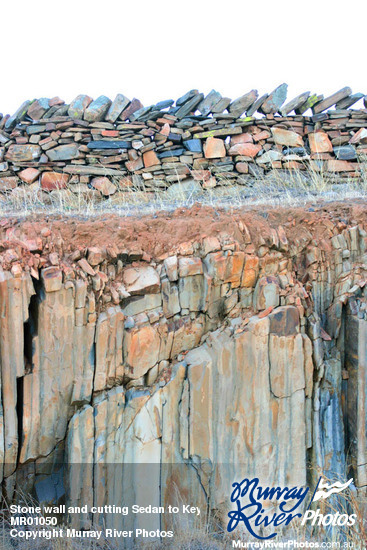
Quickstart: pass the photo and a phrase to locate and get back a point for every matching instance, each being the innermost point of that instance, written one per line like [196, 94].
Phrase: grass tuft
[274, 188]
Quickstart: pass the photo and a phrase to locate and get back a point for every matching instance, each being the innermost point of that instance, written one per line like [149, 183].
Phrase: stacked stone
[118, 145]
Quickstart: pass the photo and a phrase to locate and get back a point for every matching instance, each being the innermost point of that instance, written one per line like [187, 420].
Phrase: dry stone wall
[105, 147]
[221, 357]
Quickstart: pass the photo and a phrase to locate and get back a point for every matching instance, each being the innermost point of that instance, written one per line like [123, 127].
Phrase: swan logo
[324, 490]
[249, 499]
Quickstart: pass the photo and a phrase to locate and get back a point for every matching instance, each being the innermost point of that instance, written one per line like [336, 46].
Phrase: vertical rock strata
[132, 379]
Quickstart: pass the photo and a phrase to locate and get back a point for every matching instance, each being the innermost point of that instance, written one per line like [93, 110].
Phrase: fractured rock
[141, 280]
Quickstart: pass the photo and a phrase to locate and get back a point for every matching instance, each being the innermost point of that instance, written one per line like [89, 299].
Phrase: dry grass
[211, 536]
[276, 187]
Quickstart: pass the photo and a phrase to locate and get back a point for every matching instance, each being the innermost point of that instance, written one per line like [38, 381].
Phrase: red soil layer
[160, 234]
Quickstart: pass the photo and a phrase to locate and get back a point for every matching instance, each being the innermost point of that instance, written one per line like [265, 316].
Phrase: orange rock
[9, 182]
[190, 266]
[110, 133]
[250, 272]
[201, 175]
[359, 137]
[293, 165]
[241, 138]
[104, 185]
[185, 248]
[214, 148]
[320, 143]
[29, 175]
[54, 180]
[210, 183]
[165, 130]
[340, 166]
[96, 255]
[133, 165]
[242, 167]
[226, 268]
[324, 335]
[261, 135]
[56, 101]
[150, 159]
[266, 312]
[287, 137]
[125, 182]
[245, 149]
[141, 350]
[86, 267]
[321, 156]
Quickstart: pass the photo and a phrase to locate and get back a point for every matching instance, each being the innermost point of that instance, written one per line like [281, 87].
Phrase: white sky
[159, 49]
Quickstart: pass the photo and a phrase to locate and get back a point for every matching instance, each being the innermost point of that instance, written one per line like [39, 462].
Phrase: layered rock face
[131, 375]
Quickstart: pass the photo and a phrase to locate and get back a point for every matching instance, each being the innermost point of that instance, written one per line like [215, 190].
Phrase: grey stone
[140, 113]
[193, 145]
[35, 129]
[171, 304]
[348, 101]
[109, 144]
[189, 106]
[221, 105]
[175, 138]
[345, 152]
[92, 170]
[241, 104]
[78, 106]
[295, 103]
[301, 151]
[163, 104]
[186, 97]
[97, 109]
[37, 108]
[275, 100]
[62, 110]
[118, 105]
[309, 103]
[140, 304]
[208, 102]
[171, 153]
[331, 100]
[18, 116]
[269, 156]
[256, 106]
[63, 152]
[187, 187]
[255, 171]
[129, 322]
[319, 117]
